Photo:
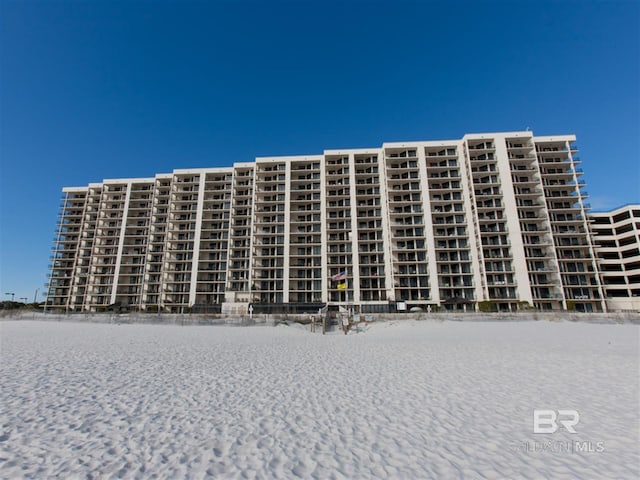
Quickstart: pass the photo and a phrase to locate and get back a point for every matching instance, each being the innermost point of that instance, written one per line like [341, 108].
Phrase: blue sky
[118, 89]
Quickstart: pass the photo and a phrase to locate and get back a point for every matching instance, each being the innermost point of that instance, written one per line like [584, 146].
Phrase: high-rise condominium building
[617, 238]
[491, 220]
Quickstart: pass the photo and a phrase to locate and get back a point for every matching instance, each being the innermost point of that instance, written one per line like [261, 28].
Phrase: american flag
[339, 276]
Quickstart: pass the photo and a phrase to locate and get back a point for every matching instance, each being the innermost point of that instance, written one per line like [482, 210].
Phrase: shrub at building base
[487, 306]
[525, 306]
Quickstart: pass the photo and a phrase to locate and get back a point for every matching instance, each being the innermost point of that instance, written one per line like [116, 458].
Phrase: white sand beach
[414, 399]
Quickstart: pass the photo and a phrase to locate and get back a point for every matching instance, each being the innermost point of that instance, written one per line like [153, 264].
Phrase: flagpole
[346, 281]
[342, 283]
[344, 328]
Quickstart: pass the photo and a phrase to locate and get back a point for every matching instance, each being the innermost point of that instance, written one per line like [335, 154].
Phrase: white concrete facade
[487, 221]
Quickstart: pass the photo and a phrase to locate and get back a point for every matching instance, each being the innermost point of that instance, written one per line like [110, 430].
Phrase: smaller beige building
[616, 235]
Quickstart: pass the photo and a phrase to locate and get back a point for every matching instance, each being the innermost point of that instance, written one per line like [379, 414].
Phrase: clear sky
[118, 89]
